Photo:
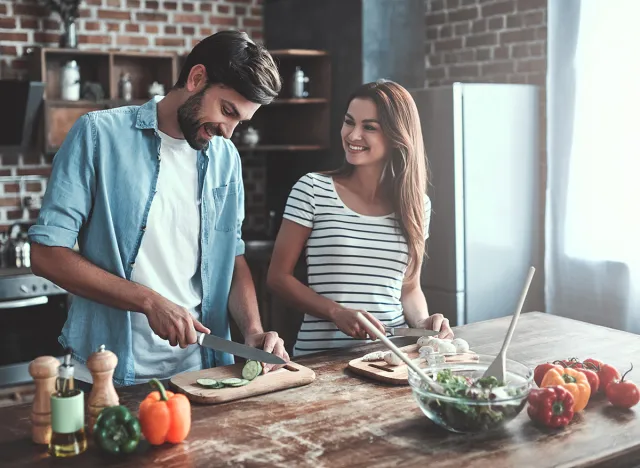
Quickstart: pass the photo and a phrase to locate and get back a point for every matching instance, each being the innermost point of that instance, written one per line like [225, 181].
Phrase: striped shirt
[355, 260]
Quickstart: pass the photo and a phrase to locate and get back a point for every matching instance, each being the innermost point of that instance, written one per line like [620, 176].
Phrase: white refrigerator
[483, 147]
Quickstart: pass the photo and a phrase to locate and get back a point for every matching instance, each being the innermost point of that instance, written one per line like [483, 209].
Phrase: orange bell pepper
[574, 381]
[164, 416]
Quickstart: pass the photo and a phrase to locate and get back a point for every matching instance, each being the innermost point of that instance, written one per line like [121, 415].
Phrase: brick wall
[493, 41]
[146, 25]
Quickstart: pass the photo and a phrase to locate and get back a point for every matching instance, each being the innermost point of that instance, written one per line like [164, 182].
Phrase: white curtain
[592, 260]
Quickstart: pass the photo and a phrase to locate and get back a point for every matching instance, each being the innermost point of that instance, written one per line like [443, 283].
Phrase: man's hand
[437, 322]
[172, 322]
[271, 343]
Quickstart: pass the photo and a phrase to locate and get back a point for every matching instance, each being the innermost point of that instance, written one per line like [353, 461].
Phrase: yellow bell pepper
[574, 381]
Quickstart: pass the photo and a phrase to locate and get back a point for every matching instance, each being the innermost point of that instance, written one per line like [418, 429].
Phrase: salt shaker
[101, 364]
[44, 371]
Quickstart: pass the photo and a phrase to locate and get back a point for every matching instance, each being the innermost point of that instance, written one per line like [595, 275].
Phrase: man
[154, 197]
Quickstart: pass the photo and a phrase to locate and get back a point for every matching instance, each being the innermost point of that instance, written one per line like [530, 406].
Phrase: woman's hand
[437, 322]
[347, 321]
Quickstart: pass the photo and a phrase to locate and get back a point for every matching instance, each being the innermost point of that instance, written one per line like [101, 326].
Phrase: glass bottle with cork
[68, 436]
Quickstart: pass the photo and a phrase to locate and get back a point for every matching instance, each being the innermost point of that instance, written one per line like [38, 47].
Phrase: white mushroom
[375, 356]
[446, 347]
[392, 359]
[427, 341]
[461, 345]
[426, 351]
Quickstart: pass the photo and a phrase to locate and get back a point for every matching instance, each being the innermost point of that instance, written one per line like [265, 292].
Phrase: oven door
[29, 328]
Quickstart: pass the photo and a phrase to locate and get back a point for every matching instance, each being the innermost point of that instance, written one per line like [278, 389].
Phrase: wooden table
[344, 420]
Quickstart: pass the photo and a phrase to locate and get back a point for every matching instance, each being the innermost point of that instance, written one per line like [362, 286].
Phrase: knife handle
[200, 337]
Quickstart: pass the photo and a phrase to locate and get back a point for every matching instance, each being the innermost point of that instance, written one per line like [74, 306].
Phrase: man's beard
[190, 123]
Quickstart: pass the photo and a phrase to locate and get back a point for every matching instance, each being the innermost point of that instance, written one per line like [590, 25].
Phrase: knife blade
[237, 349]
[410, 331]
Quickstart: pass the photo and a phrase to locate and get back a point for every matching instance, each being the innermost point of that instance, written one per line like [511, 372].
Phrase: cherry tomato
[607, 375]
[623, 393]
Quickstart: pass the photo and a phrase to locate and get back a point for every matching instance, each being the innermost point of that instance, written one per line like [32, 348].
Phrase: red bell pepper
[551, 406]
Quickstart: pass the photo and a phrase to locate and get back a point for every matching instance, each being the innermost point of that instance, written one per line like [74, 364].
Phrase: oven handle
[33, 301]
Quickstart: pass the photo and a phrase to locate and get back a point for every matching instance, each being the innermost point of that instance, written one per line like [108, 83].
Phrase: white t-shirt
[355, 260]
[168, 262]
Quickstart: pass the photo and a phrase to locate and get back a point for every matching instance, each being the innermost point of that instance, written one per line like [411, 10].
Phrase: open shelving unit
[95, 66]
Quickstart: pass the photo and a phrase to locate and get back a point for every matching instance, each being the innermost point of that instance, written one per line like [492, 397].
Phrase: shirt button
[144, 228]
[132, 264]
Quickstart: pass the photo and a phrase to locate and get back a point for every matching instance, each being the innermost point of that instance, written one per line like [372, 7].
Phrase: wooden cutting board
[398, 375]
[292, 375]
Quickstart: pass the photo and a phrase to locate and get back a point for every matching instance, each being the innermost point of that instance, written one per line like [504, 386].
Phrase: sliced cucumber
[251, 370]
[239, 383]
[231, 381]
[209, 383]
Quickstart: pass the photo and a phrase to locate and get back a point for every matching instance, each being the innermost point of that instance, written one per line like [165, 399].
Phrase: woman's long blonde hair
[404, 178]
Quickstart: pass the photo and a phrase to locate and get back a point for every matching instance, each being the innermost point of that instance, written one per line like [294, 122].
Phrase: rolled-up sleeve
[70, 191]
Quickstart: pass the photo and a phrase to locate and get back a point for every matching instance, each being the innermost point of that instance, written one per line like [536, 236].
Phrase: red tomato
[541, 370]
[595, 362]
[594, 380]
[623, 393]
[607, 375]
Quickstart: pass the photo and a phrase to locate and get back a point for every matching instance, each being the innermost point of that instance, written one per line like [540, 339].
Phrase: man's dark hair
[232, 59]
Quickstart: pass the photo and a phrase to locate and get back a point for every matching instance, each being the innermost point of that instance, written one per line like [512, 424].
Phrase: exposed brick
[479, 26]
[496, 23]
[515, 21]
[170, 29]
[240, 10]
[256, 11]
[449, 44]
[151, 28]
[483, 54]
[151, 5]
[541, 33]
[94, 2]
[11, 187]
[14, 215]
[152, 17]
[436, 73]
[531, 66]
[462, 29]
[46, 38]
[497, 68]
[256, 35]
[463, 71]
[206, 7]
[522, 35]
[85, 39]
[30, 9]
[113, 3]
[446, 31]
[39, 171]
[481, 40]
[5, 172]
[432, 18]
[132, 40]
[34, 187]
[194, 19]
[464, 14]
[534, 18]
[204, 31]
[432, 32]
[186, 6]
[169, 42]
[436, 59]
[112, 14]
[225, 21]
[13, 37]
[451, 4]
[537, 50]
[8, 23]
[188, 30]
[224, 9]
[3, 9]
[51, 24]
[133, 3]
[435, 5]
[9, 201]
[520, 50]
[499, 8]
[92, 26]
[170, 5]
[111, 27]
[85, 13]
[8, 51]
[131, 27]
[524, 5]
[29, 23]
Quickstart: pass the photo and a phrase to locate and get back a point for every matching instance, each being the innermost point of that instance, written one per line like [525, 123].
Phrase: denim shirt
[102, 184]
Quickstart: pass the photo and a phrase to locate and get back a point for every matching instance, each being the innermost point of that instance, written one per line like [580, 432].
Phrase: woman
[364, 227]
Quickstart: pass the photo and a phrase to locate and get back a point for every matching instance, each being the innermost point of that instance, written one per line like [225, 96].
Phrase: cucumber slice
[209, 383]
[240, 383]
[231, 381]
[251, 370]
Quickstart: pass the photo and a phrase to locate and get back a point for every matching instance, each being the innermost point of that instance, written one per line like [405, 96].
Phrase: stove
[21, 283]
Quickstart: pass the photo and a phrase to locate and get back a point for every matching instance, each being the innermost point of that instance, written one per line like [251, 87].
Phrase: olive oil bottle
[68, 437]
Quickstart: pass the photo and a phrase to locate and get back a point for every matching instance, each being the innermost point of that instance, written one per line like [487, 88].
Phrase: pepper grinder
[44, 371]
[101, 364]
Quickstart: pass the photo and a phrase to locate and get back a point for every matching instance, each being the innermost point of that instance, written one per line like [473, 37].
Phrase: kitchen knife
[410, 331]
[237, 349]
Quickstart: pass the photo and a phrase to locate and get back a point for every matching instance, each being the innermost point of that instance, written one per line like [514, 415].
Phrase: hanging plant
[68, 12]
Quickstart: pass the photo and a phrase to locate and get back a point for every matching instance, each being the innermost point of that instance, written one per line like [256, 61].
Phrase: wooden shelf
[299, 101]
[102, 103]
[298, 53]
[281, 148]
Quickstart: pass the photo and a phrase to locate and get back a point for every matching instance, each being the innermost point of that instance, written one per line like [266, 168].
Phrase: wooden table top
[345, 420]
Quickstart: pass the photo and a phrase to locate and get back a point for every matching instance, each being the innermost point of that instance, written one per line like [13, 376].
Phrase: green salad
[474, 411]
